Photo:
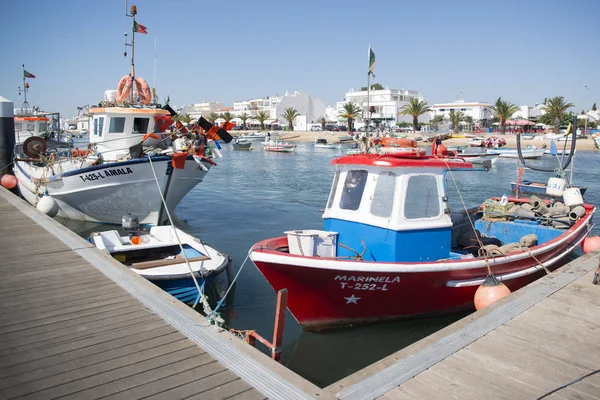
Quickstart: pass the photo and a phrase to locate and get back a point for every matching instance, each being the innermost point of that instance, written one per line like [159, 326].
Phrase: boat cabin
[115, 129]
[42, 125]
[391, 208]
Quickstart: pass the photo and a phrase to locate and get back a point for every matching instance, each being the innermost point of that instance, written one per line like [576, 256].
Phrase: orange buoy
[9, 181]
[490, 291]
[588, 245]
[136, 240]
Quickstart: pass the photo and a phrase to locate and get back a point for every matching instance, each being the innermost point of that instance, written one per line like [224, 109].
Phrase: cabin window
[18, 126]
[31, 126]
[140, 125]
[336, 178]
[383, 198]
[98, 126]
[117, 125]
[43, 127]
[422, 199]
[354, 187]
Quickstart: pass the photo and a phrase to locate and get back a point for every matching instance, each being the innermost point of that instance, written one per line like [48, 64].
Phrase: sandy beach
[511, 140]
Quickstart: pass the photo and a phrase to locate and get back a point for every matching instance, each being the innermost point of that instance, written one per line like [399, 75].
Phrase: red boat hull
[322, 296]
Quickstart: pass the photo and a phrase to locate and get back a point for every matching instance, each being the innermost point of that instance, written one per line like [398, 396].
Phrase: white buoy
[48, 206]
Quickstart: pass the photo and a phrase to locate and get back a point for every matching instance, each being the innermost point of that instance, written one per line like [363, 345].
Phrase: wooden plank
[90, 345]
[41, 313]
[198, 375]
[249, 394]
[162, 373]
[33, 370]
[417, 389]
[224, 391]
[40, 287]
[64, 384]
[68, 316]
[57, 295]
[72, 323]
[201, 386]
[61, 389]
[61, 336]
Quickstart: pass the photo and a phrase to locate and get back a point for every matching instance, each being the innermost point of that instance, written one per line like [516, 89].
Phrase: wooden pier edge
[392, 371]
[267, 376]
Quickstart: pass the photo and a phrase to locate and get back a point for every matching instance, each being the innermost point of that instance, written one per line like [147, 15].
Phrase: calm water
[254, 195]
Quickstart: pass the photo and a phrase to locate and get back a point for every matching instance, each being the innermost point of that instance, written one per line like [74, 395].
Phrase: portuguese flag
[139, 28]
[28, 75]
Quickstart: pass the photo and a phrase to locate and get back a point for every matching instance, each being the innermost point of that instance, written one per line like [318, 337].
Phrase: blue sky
[233, 50]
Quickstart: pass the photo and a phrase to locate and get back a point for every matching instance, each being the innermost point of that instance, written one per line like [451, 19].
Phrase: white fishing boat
[530, 153]
[254, 136]
[322, 143]
[128, 165]
[278, 146]
[167, 257]
[479, 158]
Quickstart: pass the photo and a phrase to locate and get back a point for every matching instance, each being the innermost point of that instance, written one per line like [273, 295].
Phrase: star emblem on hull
[352, 299]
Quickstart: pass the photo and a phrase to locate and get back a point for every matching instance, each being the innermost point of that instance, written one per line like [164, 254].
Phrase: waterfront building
[480, 112]
[202, 109]
[387, 104]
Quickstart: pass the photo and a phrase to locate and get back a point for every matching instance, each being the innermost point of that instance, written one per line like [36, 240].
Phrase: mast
[25, 104]
[368, 94]
[132, 13]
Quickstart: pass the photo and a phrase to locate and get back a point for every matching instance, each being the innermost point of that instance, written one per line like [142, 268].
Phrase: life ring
[143, 90]
[124, 88]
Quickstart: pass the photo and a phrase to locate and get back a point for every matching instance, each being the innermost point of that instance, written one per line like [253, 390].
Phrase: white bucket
[572, 197]
[556, 186]
[110, 95]
[312, 242]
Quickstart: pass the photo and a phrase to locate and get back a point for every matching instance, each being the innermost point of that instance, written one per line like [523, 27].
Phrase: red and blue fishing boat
[391, 247]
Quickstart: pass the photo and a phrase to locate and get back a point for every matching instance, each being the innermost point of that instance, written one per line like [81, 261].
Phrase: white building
[201, 109]
[310, 109]
[480, 112]
[387, 104]
[527, 112]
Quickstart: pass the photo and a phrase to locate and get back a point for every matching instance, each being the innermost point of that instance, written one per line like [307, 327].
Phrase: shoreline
[511, 139]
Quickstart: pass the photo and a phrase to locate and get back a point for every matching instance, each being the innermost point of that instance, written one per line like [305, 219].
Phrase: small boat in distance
[540, 189]
[322, 143]
[158, 257]
[529, 153]
[254, 136]
[242, 144]
[479, 158]
[278, 146]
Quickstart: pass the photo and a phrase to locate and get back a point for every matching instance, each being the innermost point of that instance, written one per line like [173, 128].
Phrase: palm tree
[261, 117]
[415, 108]
[212, 117]
[556, 108]
[503, 110]
[244, 117]
[186, 119]
[456, 118]
[323, 123]
[289, 114]
[437, 121]
[350, 113]
[227, 116]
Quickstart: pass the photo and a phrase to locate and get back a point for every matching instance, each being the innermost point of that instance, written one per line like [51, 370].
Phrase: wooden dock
[526, 345]
[74, 323]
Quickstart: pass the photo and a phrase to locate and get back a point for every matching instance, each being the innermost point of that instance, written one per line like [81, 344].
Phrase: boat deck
[530, 343]
[75, 323]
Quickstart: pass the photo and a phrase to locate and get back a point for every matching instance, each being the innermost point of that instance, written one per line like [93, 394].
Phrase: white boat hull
[512, 153]
[106, 192]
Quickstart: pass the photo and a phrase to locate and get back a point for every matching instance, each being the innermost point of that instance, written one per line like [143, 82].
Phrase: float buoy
[9, 181]
[490, 291]
[48, 206]
[136, 240]
[589, 244]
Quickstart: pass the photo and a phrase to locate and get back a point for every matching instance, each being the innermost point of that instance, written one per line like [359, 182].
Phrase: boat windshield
[422, 198]
[336, 178]
[140, 125]
[354, 186]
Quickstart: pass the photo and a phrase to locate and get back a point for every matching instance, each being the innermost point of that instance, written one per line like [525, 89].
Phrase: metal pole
[7, 134]
[282, 297]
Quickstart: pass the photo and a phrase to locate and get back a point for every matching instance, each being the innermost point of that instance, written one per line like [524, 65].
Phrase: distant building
[480, 112]
[527, 112]
[387, 103]
[201, 109]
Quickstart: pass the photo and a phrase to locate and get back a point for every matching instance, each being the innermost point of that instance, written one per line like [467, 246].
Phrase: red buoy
[9, 181]
[490, 291]
[590, 244]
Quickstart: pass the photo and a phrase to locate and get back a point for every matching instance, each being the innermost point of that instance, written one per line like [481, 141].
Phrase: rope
[200, 291]
[487, 264]
[220, 302]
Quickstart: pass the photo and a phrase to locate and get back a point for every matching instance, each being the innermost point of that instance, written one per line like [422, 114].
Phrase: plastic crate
[493, 209]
